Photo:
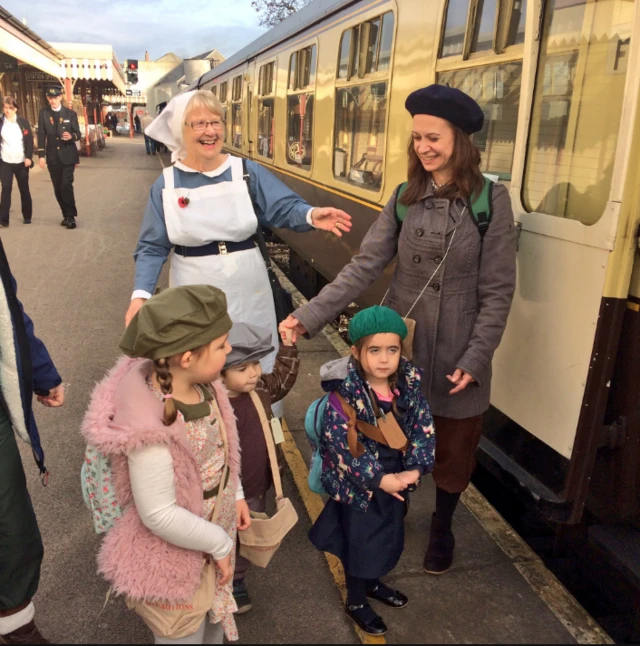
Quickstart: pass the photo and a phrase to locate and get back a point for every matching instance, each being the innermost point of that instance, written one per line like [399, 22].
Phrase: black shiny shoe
[394, 600]
[366, 619]
[71, 223]
[64, 222]
[26, 221]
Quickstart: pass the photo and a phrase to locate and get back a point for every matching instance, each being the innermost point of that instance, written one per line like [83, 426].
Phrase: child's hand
[243, 517]
[224, 565]
[409, 477]
[392, 485]
[286, 334]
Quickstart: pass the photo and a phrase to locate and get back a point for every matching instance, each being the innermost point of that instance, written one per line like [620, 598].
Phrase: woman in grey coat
[462, 313]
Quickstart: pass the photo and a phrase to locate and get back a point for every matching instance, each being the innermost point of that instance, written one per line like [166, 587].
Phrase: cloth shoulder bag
[173, 620]
[262, 539]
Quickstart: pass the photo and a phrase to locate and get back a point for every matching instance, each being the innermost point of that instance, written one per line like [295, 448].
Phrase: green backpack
[480, 207]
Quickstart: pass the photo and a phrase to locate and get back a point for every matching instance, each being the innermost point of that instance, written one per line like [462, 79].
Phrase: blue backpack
[313, 429]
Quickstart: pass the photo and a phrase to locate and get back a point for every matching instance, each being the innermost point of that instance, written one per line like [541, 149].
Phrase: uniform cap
[447, 103]
[249, 343]
[376, 320]
[176, 320]
[54, 91]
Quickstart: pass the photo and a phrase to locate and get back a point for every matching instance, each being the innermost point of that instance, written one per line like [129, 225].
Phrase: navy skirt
[370, 543]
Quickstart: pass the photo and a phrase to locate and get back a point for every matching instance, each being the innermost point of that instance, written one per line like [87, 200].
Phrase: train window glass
[223, 92]
[292, 71]
[236, 125]
[302, 68]
[236, 94]
[265, 127]
[345, 54]
[577, 106]
[496, 88]
[517, 23]
[359, 134]
[386, 41]
[370, 47]
[454, 28]
[214, 89]
[484, 27]
[300, 129]
[265, 79]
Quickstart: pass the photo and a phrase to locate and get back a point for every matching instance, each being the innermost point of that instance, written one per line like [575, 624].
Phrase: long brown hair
[465, 166]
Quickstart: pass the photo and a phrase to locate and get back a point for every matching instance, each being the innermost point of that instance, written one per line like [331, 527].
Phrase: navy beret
[447, 103]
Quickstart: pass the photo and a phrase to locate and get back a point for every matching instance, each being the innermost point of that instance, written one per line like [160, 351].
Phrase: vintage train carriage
[320, 101]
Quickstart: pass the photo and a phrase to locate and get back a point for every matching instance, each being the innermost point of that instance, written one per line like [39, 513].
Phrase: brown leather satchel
[387, 430]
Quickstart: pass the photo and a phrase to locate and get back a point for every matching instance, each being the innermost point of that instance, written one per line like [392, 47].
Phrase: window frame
[378, 76]
[261, 67]
[224, 85]
[307, 89]
[237, 80]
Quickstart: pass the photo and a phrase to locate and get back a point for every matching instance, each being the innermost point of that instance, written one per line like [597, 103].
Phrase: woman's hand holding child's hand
[286, 334]
[224, 565]
[243, 516]
[392, 485]
[409, 477]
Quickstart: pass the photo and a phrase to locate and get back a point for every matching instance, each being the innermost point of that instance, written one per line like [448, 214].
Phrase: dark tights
[446, 504]
[357, 589]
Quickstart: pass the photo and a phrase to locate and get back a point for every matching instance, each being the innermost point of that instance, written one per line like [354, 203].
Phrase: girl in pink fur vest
[160, 418]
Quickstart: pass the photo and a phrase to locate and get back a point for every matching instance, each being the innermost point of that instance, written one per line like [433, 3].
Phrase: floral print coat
[351, 480]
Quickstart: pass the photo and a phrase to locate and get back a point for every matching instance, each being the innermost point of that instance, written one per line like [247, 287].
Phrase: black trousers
[62, 178]
[21, 173]
[21, 548]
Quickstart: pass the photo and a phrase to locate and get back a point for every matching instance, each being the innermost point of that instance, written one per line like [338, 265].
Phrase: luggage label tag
[276, 430]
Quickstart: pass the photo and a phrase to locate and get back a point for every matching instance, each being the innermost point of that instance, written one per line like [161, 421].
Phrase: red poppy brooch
[183, 202]
[25, 132]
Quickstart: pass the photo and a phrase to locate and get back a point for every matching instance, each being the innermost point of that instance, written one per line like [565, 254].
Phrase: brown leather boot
[27, 634]
[439, 556]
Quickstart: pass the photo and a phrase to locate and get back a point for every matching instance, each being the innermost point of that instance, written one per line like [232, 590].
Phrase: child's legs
[257, 503]
[195, 638]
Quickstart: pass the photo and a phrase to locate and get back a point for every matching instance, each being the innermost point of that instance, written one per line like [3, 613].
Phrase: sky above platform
[186, 28]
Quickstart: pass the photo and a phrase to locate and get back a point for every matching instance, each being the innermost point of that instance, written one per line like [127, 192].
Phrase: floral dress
[206, 441]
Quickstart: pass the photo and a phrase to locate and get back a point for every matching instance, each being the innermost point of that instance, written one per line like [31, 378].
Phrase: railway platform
[76, 286]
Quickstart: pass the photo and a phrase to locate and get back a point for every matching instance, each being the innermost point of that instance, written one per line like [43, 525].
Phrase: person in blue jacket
[25, 368]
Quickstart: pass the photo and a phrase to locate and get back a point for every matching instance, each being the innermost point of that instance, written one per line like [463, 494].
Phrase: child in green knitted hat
[377, 440]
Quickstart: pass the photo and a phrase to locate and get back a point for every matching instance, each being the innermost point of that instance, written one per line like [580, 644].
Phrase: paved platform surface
[76, 286]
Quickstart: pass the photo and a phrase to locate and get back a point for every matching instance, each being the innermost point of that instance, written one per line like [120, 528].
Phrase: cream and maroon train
[319, 100]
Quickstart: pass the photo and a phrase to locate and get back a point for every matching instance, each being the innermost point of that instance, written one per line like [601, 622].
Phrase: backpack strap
[398, 208]
[481, 207]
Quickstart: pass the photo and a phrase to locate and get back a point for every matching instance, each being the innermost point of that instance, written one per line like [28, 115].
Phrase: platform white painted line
[576, 620]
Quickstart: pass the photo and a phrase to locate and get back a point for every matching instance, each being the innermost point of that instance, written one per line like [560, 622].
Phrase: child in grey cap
[241, 375]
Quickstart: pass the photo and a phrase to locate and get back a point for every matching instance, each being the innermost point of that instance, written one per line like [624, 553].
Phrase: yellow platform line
[576, 620]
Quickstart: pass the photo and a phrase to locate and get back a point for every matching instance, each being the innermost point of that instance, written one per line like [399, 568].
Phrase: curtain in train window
[359, 134]
[300, 130]
[497, 90]
[577, 107]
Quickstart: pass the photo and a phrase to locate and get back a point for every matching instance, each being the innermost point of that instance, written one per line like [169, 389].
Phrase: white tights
[208, 633]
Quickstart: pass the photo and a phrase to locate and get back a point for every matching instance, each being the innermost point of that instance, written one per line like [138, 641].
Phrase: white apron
[221, 212]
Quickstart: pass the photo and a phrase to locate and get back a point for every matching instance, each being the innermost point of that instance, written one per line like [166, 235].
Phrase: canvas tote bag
[174, 620]
[262, 539]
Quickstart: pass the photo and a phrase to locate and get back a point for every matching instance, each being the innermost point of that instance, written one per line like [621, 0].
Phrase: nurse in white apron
[201, 209]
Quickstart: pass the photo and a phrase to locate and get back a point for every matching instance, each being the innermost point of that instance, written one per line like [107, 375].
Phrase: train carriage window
[300, 101]
[214, 89]
[223, 92]
[236, 112]
[497, 89]
[266, 109]
[361, 108]
[577, 107]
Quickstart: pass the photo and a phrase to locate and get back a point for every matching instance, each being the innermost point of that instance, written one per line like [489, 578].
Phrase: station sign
[133, 92]
[40, 76]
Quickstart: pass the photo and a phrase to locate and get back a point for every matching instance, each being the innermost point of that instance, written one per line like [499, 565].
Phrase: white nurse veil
[167, 126]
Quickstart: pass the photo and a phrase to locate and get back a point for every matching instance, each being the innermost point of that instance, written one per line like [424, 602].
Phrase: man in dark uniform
[58, 127]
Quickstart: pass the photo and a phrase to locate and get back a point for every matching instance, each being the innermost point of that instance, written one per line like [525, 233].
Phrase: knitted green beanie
[376, 320]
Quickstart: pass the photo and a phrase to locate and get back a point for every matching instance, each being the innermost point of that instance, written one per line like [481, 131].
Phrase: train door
[570, 188]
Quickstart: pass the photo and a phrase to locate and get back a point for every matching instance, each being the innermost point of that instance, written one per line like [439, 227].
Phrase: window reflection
[453, 39]
[300, 130]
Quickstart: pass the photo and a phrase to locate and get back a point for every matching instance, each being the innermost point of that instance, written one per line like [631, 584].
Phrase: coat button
[437, 260]
[429, 206]
[435, 287]
[419, 233]
[416, 259]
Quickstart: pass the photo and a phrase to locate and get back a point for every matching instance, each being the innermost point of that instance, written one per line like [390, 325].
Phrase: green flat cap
[376, 320]
[177, 320]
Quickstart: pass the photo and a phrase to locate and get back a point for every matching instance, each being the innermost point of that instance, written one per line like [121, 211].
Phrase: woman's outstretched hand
[291, 323]
[461, 379]
[330, 219]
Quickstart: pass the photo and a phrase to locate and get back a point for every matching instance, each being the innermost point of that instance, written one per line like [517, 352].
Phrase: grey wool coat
[461, 316]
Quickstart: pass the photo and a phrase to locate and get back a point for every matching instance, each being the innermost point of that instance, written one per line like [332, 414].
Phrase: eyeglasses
[201, 126]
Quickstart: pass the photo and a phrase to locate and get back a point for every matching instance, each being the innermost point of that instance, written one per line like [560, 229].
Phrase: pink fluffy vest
[124, 415]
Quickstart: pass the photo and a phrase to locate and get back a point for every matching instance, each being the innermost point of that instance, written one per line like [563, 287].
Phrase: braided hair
[165, 379]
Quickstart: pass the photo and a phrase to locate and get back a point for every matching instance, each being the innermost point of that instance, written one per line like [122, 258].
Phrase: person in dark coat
[25, 368]
[460, 318]
[16, 157]
[136, 123]
[58, 131]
